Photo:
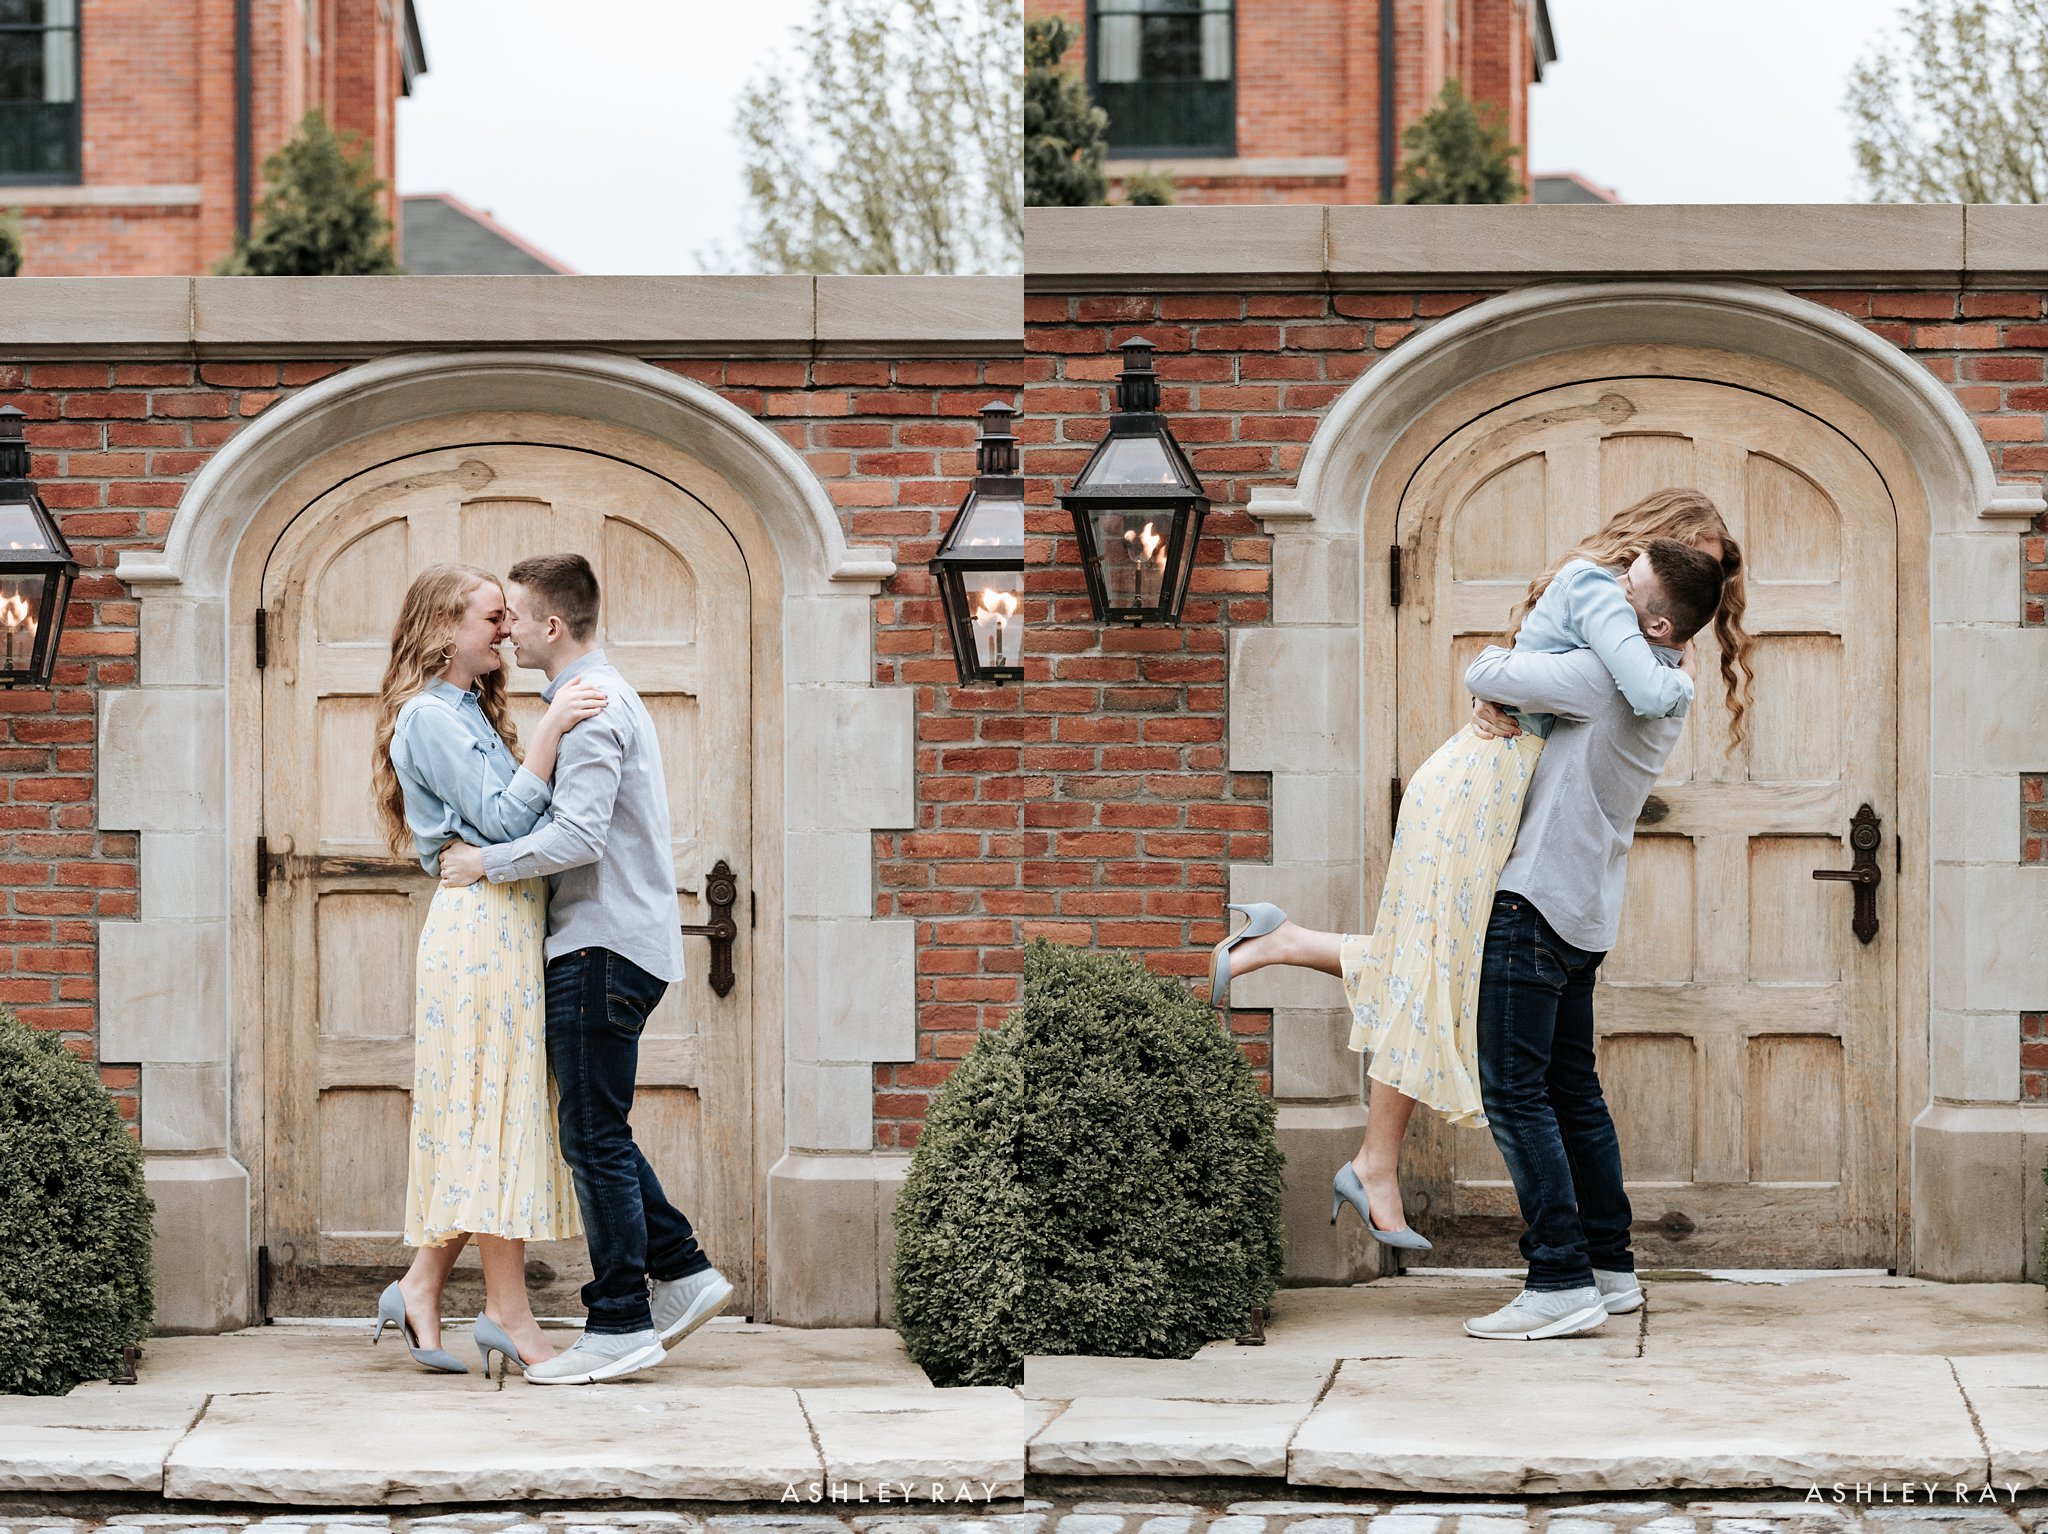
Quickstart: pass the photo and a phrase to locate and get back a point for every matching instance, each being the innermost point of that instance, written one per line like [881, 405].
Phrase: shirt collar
[576, 667]
[440, 687]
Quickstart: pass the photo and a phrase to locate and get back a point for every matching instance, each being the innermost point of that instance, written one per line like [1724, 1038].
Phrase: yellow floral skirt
[484, 1153]
[1413, 981]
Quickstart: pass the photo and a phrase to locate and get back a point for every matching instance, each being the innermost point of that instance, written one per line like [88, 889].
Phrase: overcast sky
[604, 136]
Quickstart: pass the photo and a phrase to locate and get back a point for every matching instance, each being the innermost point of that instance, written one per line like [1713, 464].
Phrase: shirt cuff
[498, 868]
[529, 790]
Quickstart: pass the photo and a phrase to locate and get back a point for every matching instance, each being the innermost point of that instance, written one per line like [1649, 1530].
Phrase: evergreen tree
[1954, 107]
[894, 144]
[1066, 136]
[10, 243]
[1148, 189]
[1456, 153]
[319, 216]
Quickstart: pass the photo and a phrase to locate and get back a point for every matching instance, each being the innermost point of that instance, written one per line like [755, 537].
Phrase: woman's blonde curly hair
[433, 606]
[1688, 516]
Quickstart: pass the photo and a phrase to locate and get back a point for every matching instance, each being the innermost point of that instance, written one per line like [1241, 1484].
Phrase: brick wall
[1308, 85]
[1092, 803]
[2034, 1056]
[158, 103]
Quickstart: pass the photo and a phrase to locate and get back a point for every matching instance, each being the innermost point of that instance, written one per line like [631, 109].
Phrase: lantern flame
[999, 607]
[14, 612]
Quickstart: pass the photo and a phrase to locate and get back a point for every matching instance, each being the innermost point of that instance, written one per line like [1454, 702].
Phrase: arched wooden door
[341, 917]
[1746, 1035]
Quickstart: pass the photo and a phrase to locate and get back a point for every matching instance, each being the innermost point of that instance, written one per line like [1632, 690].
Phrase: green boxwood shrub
[1099, 1176]
[75, 1271]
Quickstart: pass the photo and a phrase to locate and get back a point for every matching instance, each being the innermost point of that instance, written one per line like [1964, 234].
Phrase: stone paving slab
[98, 1438]
[632, 1438]
[290, 1358]
[969, 1443]
[1418, 1320]
[2009, 1394]
[1573, 1422]
[1228, 1373]
[1850, 1316]
[1124, 1436]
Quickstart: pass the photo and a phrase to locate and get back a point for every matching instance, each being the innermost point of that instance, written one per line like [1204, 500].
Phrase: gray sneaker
[681, 1305]
[1619, 1292]
[599, 1356]
[1535, 1314]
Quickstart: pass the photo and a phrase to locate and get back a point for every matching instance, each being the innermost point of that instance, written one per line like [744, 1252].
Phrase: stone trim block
[844, 1205]
[162, 759]
[1070, 250]
[1970, 1182]
[852, 755]
[163, 992]
[1989, 700]
[184, 1107]
[136, 316]
[184, 643]
[965, 314]
[2003, 245]
[184, 876]
[1975, 1056]
[828, 874]
[852, 991]
[1312, 1057]
[1301, 715]
[201, 1244]
[1974, 578]
[1323, 578]
[1318, 817]
[828, 639]
[1975, 819]
[2002, 922]
[828, 1107]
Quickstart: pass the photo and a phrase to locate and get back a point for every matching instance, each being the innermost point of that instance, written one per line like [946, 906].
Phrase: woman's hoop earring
[447, 654]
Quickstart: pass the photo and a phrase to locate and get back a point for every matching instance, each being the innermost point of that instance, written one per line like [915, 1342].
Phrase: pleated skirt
[1413, 981]
[484, 1155]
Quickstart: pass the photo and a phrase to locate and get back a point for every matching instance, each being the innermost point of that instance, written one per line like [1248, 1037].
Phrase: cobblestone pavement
[1862, 1511]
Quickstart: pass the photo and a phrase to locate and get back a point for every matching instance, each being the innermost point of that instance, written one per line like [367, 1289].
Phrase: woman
[1413, 983]
[483, 1161]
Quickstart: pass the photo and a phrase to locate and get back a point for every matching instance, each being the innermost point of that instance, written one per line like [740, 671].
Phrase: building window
[1165, 72]
[39, 90]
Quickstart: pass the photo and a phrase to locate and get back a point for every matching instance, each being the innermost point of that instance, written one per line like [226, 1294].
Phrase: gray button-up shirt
[1597, 768]
[605, 846]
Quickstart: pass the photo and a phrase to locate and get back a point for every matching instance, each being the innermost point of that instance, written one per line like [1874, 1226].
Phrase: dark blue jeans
[597, 1006]
[1542, 1097]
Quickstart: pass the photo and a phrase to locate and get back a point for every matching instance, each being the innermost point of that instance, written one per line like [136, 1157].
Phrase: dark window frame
[1225, 150]
[75, 176]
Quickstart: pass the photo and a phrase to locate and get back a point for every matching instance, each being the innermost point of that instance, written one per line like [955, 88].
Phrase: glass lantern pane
[20, 531]
[994, 614]
[991, 522]
[21, 610]
[1133, 546]
[1131, 461]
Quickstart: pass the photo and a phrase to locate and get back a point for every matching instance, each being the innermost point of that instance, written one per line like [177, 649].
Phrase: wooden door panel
[1746, 1037]
[341, 925]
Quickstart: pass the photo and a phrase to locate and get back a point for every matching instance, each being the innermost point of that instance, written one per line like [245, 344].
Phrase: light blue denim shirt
[460, 780]
[1584, 608]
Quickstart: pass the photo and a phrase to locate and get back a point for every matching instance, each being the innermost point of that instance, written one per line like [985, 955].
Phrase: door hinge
[262, 868]
[1898, 854]
[1393, 806]
[262, 638]
[753, 911]
[1394, 575]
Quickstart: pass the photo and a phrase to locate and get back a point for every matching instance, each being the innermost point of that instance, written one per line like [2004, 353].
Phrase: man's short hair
[566, 587]
[1689, 581]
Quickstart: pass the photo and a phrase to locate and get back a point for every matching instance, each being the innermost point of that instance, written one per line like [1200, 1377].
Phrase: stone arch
[176, 986]
[1308, 705]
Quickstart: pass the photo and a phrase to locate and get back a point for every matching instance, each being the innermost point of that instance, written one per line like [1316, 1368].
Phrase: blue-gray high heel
[1347, 1189]
[493, 1338]
[1261, 917]
[391, 1312]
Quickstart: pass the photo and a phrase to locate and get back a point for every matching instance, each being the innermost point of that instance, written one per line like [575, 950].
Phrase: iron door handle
[1866, 835]
[721, 893]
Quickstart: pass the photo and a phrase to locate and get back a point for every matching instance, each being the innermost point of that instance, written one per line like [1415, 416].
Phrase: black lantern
[980, 561]
[36, 568]
[1137, 506]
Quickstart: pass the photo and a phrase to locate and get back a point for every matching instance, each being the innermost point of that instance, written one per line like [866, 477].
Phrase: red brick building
[1300, 101]
[132, 134]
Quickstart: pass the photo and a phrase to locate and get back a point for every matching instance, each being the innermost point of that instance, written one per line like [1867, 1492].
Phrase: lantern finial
[1137, 386]
[996, 452]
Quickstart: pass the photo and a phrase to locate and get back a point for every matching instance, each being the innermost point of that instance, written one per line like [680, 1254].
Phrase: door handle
[1866, 835]
[721, 892]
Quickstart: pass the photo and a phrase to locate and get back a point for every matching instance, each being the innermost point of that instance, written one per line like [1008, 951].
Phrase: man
[1554, 919]
[614, 946]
